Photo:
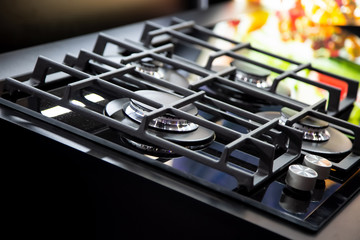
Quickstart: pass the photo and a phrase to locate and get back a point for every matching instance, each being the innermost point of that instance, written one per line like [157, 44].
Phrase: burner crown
[314, 129]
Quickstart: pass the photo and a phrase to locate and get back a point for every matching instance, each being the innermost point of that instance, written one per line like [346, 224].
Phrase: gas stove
[225, 134]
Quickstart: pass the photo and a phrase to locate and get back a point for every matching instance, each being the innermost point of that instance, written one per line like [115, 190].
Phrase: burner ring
[257, 81]
[252, 74]
[166, 122]
[151, 67]
[313, 134]
[137, 110]
[195, 139]
[335, 147]
[160, 70]
[314, 129]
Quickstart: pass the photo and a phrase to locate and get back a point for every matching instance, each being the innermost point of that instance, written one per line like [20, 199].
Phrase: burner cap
[336, 145]
[252, 74]
[131, 112]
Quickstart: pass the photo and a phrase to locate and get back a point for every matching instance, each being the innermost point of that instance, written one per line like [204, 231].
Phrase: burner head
[252, 74]
[314, 129]
[151, 67]
[159, 70]
[137, 110]
[233, 95]
[319, 138]
[240, 98]
[170, 127]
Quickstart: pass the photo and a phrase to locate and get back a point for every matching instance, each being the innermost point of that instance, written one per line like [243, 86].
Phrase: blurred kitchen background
[25, 23]
[323, 32]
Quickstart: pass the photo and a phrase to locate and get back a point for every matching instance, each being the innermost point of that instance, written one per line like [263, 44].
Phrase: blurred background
[323, 32]
[25, 23]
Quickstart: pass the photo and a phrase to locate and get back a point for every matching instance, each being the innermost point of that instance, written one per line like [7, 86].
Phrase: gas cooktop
[204, 115]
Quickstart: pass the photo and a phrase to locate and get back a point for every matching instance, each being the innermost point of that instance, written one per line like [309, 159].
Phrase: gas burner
[319, 138]
[159, 70]
[233, 95]
[260, 77]
[151, 67]
[252, 74]
[255, 76]
[314, 129]
[137, 110]
[170, 127]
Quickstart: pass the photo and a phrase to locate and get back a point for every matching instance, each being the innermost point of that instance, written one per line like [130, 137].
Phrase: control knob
[321, 165]
[301, 177]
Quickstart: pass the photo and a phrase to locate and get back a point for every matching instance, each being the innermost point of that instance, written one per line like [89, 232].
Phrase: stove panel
[196, 121]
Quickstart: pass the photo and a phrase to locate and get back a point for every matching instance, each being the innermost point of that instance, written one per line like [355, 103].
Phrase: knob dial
[301, 177]
[321, 165]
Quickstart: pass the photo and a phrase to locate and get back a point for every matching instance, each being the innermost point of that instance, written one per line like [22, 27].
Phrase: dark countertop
[25, 58]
